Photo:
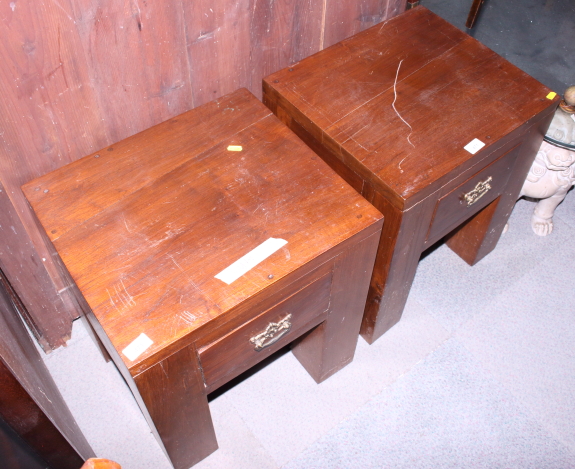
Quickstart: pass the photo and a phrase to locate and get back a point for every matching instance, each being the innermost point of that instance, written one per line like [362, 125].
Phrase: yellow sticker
[235, 148]
[551, 95]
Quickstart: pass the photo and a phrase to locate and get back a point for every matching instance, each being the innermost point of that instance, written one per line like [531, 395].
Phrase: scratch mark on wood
[60, 57]
[51, 74]
[299, 96]
[196, 287]
[162, 367]
[188, 317]
[130, 297]
[177, 265]
[169, 234]
[322, 33]
[138, 14]
[60, 6]
[204, 36]
[129, 301]
[44, 394]
[126, 224]
[118, 294]
[398, 115]
[111, 300]
[357, 143]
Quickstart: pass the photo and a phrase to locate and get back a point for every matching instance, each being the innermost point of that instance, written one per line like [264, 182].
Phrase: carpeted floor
[479, 373]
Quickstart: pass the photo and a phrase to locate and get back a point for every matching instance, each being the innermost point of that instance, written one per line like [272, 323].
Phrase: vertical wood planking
[235, 44]
[46, 315]
[136, 61]
[394, 8]
[78, 75]
[50, 117]
[217, 46]
[282, 33]
[346, 18]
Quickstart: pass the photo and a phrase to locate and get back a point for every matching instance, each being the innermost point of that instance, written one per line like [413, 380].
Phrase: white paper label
[138, 346]
[250, 260]
[474, 146]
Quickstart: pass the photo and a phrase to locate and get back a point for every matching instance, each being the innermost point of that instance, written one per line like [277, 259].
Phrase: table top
[401, 100]
[145, 225]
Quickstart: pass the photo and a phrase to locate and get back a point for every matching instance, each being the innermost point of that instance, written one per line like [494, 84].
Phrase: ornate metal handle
[275, 331]
[480, 190]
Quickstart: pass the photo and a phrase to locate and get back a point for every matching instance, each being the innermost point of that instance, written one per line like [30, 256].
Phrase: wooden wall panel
[49, 117]
[135, 60]
[283, 32]
[344, 19]
[218, 33]
[78, 75]
[20, 261]
[235, 44]
[49, 110]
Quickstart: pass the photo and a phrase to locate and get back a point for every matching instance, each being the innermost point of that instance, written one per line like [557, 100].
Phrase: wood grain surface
[234, 353]
[392, 109]
[144, 227]
[436, 102]
[78, 75]
[187, 210]
[176, 398]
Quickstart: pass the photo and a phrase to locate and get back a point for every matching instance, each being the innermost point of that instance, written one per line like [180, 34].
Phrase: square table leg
[479, 235]
[402, 240]
[331, 345]
[175, 397]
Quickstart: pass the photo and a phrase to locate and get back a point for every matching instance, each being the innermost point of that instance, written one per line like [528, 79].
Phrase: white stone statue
[553, 171]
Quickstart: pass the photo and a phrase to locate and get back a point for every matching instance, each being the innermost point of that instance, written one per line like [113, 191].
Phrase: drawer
[250, 343]
[470, 197]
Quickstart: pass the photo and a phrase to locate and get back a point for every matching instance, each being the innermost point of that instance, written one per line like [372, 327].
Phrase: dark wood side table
[201, 246]
[432, 127]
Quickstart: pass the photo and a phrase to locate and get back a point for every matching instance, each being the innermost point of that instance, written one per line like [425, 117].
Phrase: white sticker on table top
[474, 146]
[138, 346]
[245, 263]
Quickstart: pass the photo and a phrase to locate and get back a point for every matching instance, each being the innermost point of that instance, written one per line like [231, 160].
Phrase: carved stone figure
[553, 171]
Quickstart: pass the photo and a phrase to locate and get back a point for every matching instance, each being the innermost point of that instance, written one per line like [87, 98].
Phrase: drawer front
[470, 197]
[250, 343]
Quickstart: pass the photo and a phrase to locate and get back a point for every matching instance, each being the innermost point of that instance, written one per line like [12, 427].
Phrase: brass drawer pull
[480, 190]
[275, 331]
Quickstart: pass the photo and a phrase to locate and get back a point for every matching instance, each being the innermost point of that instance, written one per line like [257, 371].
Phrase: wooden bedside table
[203, 245]
[433, 128]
